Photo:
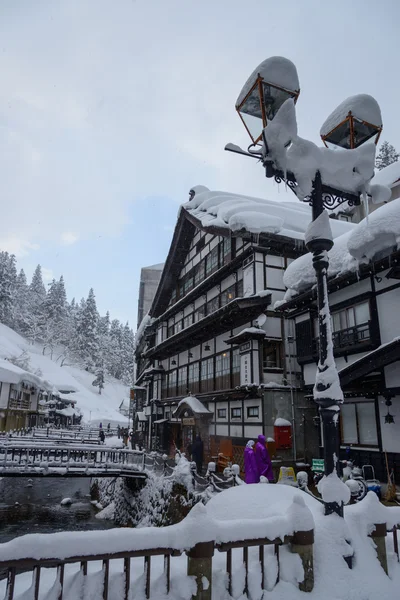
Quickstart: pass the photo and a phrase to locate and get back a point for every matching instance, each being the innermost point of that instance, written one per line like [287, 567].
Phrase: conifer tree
[8, 278]
[387, 155]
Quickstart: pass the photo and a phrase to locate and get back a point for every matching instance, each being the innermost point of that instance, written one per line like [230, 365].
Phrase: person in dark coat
[119, 432]
[102, 436]
[250, 464]
[197, 453]
[263, 459]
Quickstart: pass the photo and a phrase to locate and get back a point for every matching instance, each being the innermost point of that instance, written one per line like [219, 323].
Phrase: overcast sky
[111, 110]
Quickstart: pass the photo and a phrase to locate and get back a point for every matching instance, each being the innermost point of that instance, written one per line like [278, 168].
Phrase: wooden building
[212, 333]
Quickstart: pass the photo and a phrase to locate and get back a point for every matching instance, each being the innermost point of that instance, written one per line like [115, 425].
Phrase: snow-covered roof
[10, 373]
[194, 404]
[144, 323]
[141, 416]
[236, 212]
[67, 412]
[276, 70]
[389, 175]
[362, 106]
[380, 231]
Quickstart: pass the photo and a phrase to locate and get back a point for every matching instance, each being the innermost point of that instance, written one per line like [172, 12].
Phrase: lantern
[269, 86]
[354, 122]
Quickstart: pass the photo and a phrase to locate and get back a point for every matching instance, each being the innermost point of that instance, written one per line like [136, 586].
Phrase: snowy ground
[232, 515]
[94, 407]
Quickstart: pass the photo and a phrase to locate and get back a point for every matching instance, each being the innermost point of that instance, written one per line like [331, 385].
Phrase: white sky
[110, 110]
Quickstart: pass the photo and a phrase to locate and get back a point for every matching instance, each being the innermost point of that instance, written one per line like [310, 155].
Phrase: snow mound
[363, 107]
[235, 213]
[276, 70]
[389, 175]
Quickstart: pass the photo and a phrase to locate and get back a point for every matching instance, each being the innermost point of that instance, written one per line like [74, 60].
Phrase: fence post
[378, 535]
[200, 565]
[302, 544]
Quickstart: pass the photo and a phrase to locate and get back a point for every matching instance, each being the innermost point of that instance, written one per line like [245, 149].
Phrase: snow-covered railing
[31, 460]
[197, 536]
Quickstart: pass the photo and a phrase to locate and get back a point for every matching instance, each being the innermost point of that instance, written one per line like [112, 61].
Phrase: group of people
[127, 437]
[257, 462]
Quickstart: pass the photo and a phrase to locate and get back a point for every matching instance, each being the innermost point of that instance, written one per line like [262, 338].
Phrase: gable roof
[227, 214]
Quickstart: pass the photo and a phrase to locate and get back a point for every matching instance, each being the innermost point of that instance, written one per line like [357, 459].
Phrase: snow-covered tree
[21, 303]
[88, 339]
[99, 381]
[386, 156]
[8, 278]
[37, 296]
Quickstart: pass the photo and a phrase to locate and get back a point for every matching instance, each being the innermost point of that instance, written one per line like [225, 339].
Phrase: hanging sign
[245, 369]
[188, 421]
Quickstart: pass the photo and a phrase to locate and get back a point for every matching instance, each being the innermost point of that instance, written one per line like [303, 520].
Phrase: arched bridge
[38, 460]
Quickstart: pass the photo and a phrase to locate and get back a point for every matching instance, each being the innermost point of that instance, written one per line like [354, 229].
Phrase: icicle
[366, 206]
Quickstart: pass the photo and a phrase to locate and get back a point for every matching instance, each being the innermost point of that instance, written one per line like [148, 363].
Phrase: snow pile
[194, 404]
[380, 231]
[389, 175]
[332, 489]
[235, 213]
[275, 70]
[230, 515]
[144, 323]
[362, 106]
[349, 170]
[95, 407]
[279, 422]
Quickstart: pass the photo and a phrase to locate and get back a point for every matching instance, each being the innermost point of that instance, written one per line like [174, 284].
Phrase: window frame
[236, 408]
[222, 416]
[251, 408]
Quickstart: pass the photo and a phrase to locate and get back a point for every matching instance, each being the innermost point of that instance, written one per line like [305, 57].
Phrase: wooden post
[302, 544]
[378, 535]
[200, 565]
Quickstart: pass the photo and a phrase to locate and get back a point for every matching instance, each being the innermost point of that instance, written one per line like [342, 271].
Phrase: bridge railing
[197, 536]
[17, 456]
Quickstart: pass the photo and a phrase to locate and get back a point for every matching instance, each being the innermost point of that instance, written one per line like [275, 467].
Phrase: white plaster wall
[275, 278]
[392, 375]
[272, 327]
[236, 430]
[388, 311]
[349, 292]
[259, 266]
[221, 430]
[275, 261]
[252, 432]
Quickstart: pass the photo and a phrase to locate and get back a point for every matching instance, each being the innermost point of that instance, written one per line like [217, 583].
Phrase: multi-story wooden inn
[364, 296]
[214, 356]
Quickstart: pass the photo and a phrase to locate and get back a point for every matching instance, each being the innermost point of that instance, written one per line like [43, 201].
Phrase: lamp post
[266, 107]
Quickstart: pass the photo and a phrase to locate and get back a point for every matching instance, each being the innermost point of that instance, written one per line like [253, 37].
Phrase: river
[34, 506]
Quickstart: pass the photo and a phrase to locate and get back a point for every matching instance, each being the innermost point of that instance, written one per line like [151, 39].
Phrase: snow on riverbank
[95, 407]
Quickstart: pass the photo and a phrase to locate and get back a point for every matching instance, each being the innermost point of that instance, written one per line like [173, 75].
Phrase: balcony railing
[352, 336]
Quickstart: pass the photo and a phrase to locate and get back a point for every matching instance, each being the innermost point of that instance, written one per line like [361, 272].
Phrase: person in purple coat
[263, 460]
[250, 465]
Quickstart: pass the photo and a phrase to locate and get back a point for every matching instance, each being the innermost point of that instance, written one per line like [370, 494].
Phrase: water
[39, 509]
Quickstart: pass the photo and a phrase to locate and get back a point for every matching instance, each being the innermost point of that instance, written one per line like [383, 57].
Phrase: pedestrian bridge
[32, 459]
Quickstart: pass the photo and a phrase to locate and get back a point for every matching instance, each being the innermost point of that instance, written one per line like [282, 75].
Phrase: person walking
[197, 453]
[108, 427]
[119, 432]
[102, 436]
[263, 460]
[250, 464]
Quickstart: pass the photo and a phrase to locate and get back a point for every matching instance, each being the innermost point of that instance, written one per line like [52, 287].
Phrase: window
[235, 367]
[207, 375]
[226, 250]
[272, 354]
[252, 411]
[172, 379]
[200, 244]
[239, 289]
[350, 325]
[199, 272]
[212, 261]
[193, 378]
[178, 326]
[182, 381]
[188, 282]
[236, 413]
[358, 424]
[212, 305]
[228, 295]
[221, 412]
[187, 321]
[200, 313]
[222, 371]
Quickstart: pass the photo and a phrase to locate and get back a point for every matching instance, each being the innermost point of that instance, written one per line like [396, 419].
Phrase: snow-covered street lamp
[271, 83]
[325, 178]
